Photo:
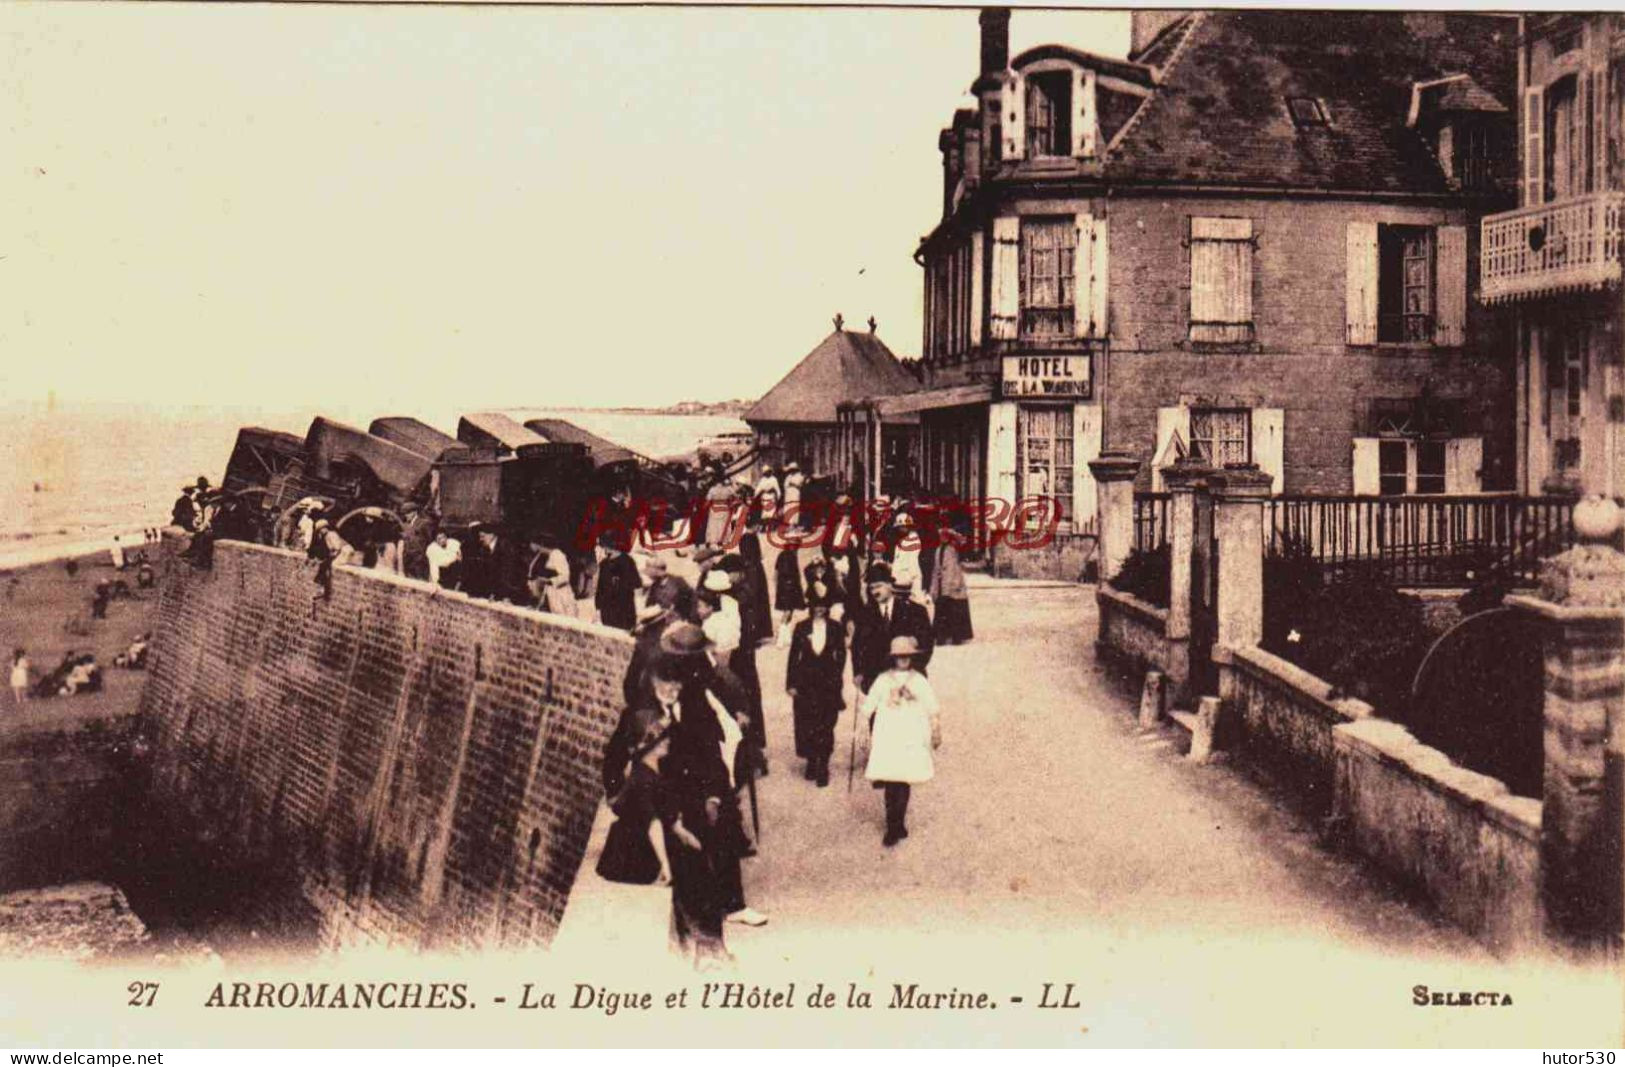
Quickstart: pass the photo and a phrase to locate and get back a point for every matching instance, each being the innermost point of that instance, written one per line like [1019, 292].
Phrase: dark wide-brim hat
[684, 639]
[670, 667]
[876, 574]
[706, 553]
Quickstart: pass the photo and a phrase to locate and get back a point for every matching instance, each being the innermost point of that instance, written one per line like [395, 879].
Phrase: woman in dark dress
[756, 614]
[813, 680]
[950, 595]
[787, 593]
[635, 850]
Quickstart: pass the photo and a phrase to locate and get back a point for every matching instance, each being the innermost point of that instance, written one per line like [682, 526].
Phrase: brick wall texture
[1301, 362]
[395, 765]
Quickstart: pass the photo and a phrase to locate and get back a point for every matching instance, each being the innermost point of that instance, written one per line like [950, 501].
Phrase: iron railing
[1424, 540]
[1575, 243]
[1150, 521]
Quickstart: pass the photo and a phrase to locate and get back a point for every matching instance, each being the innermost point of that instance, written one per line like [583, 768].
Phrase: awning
[949, 396]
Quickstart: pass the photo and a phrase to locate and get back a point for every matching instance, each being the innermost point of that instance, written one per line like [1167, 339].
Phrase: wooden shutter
[1006, 277]
[1367, 466]
[1083, 277]
[1463, 463]
[1534, 123]
[1089, 269]
[1001, 451]
[1450, 279]
[976, 301]
[1221, 274]
[1086, 441]
[1362, 283]
[1269, 444]
[1085, 124]
[1173, 435]
[1013, 104]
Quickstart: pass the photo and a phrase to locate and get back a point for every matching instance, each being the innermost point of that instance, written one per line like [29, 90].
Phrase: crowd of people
[683, 763]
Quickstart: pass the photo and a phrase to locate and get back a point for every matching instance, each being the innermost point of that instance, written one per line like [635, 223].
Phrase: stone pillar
[1581, 606]
[1238, 526]
[1238, 520]
[1114, 483]
[1183, 479]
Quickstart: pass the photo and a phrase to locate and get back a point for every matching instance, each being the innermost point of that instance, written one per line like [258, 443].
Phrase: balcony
[1564, 246]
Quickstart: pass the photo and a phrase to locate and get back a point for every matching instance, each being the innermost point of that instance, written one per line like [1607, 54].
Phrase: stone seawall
[64, 791]
[397, 764]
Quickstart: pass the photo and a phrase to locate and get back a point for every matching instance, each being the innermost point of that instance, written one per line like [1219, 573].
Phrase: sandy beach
[47, 612]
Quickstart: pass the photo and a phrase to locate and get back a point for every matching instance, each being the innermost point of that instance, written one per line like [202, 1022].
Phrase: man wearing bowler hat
[888, 614]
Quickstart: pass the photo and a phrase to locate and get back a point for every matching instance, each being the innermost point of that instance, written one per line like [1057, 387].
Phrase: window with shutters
[1393, 461]
[1565, 141]
[1614, 123]
[1420, 466]
[1049, 114]
[1221, 281]
[1048, 288]
[1566, 373]
[1221, 435]
[1044, 455]
[1404, 284]
[1430, 466]
[1482, 154]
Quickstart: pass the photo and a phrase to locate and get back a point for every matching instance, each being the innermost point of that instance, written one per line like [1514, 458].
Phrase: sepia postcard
[686, 525]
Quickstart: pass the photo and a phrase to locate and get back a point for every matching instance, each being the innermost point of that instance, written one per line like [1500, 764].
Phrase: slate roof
[1220, 116]
[846, 365]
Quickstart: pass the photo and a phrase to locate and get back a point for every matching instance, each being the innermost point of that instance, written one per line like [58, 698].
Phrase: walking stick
[755, 812]
[852, 756]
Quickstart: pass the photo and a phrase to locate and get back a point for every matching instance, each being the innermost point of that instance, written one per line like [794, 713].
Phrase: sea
[74, 477]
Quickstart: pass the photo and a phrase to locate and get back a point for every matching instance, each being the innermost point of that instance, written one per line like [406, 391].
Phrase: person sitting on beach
[134, 658]
[84, 677]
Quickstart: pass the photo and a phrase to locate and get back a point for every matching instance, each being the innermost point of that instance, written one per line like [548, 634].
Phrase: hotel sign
[1046, 378]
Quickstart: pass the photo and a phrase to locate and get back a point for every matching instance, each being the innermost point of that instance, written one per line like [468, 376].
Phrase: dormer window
[1049, 114]
[1306, 111]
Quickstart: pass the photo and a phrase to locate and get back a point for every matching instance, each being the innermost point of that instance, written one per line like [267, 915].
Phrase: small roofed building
[801, 418]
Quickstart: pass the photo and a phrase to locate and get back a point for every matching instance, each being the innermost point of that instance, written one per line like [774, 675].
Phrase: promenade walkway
[1059, 843]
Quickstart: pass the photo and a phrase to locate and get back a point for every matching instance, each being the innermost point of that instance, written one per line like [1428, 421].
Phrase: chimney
[995, 22]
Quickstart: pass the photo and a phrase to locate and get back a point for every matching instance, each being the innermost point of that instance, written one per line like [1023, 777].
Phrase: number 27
[142, 994]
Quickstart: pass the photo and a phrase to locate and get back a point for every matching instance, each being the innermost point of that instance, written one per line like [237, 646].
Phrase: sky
[441, 207]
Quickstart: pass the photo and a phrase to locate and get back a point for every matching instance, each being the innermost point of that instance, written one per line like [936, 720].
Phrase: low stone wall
[1132, 630]
[1460, 838]
[1065, 559]
[1282, 717]
[396, 764]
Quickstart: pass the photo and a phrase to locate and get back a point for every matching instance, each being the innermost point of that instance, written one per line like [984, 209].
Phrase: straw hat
[718, 581]
[904, 645]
